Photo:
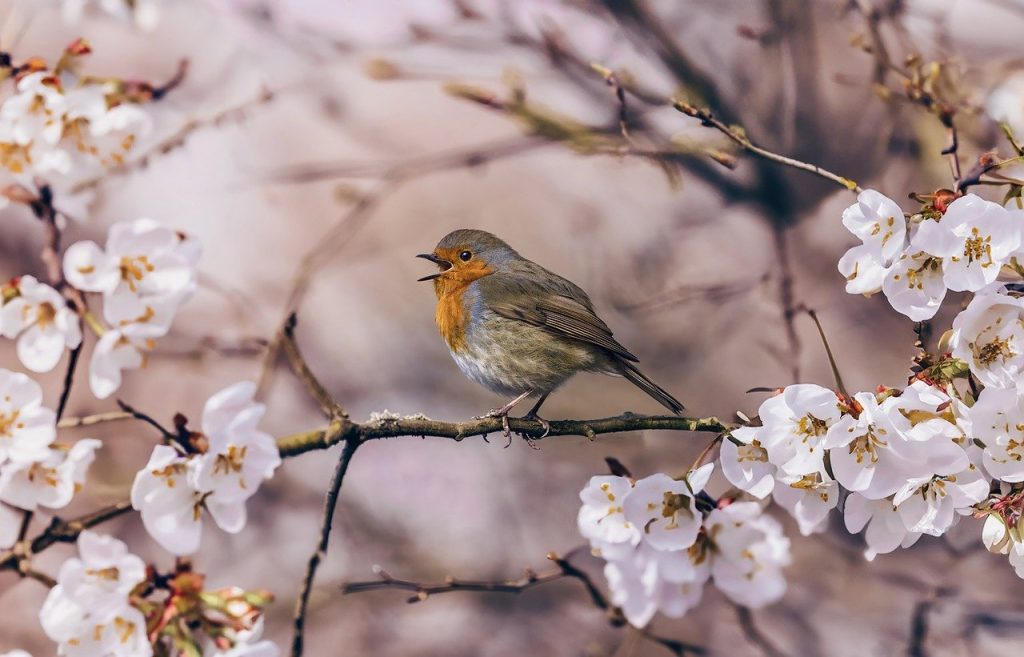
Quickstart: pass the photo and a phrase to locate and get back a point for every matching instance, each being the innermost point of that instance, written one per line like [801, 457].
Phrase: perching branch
[393, 426]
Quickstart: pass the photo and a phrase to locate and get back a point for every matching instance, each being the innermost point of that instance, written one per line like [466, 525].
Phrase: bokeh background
[321, 132]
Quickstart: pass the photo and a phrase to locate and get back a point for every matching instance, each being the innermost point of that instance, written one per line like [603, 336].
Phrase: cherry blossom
[808, 499]
[988, 335]
[914, 285]
[930, 505]
[142, 257]
[666, 510]
[1006, 102]
[974, 238]
[51, 481]
[648, 580]
[173, 488]
[602, 518]
[886, 530]
[170, 505]
[750, 552]
[997, 420]
[745, 462]
[878, 221]
[88, 612]
[115, 352]
[26, 427]
[40, 316]
[875, 453]
[794, 427]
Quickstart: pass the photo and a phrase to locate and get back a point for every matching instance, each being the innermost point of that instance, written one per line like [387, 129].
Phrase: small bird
[518, 329]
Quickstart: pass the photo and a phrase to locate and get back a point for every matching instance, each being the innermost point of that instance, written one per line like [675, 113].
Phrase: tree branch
[564, 569]
[738, 137]
[393, 426]
[302, 604]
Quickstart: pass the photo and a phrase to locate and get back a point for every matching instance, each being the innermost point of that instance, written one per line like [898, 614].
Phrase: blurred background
[315, 147]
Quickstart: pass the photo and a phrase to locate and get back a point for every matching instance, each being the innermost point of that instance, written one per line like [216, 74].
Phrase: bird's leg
[504, 411]
[532, 415]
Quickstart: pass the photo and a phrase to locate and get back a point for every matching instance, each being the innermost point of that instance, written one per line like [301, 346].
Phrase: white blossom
[665, 509]
[750, 552]
[88, 612]
[39, 317]
[602, 518]
[51, 481]
[794, 427]
[115, 352]
[886, 530]
[27, 428]
[746, 465]
[141, 257]
[914, 285]
[879, 223]
[930, 505]
[974, 238]
[988, 335]
[171, 491]
[864, 272]
[168, 502]
[1006, 103]
[997, 420]
[808, 499]
[648, 580]
[878, 451]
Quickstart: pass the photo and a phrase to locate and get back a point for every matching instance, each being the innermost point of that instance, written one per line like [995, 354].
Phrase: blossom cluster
[957, 244]
[54, 122]
[905, 458]
[663, 539]
[34, 471]
[89, 611]
[145, 272]
[103, 605]
[218, 470]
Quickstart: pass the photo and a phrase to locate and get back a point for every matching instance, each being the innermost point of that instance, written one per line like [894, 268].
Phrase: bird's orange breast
[451, 315]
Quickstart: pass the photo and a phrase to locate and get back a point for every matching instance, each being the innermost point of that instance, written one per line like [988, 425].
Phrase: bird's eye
[465, 256]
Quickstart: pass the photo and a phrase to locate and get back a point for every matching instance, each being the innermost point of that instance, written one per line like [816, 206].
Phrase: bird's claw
[496, 413]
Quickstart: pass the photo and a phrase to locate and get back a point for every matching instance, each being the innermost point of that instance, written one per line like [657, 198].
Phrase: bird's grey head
[470, 249]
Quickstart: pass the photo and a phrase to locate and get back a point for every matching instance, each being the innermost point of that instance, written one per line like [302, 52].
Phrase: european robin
[518, 329]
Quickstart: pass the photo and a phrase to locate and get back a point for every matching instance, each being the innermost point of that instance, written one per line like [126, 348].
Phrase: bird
[520, 330]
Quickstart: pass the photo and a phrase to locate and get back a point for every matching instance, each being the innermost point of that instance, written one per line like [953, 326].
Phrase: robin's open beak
[440, 262]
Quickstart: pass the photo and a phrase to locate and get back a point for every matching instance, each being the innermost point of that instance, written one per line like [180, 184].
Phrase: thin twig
[139, 415]
[302, 604]
[741, 139]
[302, 371]
[565, 569]
[90, 420]
[69, 378]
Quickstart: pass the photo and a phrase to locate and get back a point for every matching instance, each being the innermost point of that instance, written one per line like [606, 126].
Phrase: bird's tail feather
[640, 380]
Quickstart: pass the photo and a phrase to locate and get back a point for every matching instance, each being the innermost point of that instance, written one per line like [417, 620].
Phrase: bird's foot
[503, 414]
[544, 424]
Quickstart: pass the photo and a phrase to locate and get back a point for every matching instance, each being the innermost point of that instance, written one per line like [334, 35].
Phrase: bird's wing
[544, 305]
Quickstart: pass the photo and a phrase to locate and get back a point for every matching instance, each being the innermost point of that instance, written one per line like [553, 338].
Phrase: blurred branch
[316, 390]
[739, 137]
[754, 634]
[90, 420]
[395, 426]
[175, 141]
[919, 621]
[564, 569]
